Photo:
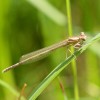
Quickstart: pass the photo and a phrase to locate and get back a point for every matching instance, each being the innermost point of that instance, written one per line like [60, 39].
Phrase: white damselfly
[76, 41]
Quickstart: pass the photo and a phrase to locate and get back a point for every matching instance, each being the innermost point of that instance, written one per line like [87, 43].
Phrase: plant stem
[70, 32]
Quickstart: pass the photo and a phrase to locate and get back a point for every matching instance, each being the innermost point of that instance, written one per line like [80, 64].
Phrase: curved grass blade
[12, 90]
[60, 67]
[50, 11]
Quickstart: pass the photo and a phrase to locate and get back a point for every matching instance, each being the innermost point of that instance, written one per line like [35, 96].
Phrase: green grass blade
[96, 49]
[50, 11]
[12, 90]
[73, 63]
[60, 67]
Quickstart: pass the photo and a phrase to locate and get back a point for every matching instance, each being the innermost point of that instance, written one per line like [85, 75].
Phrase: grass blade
[50, 11]
[60, 67]
[12, 90]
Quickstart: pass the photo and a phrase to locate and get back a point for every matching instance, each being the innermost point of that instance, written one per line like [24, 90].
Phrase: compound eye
[83, 36]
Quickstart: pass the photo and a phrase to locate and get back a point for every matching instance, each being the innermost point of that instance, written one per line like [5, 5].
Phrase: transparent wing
[39, 54]
[34, 56]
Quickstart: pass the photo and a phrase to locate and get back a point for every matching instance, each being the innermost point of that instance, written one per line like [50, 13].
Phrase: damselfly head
[83, 36]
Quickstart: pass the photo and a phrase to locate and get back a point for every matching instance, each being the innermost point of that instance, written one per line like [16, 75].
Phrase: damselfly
[76, 41]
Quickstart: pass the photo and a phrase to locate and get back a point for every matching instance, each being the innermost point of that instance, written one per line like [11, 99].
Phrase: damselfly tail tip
[11, 67]
[3, 71]
[6, 69]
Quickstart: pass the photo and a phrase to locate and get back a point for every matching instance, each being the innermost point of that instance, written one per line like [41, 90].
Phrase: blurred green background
[27, 25]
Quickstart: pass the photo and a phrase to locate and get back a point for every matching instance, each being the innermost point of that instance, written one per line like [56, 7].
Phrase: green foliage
[28, 25]
[60, 67]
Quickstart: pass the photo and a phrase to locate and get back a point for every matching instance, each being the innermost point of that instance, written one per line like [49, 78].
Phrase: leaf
[60, 67]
